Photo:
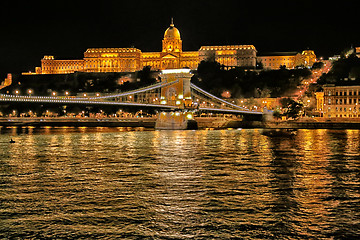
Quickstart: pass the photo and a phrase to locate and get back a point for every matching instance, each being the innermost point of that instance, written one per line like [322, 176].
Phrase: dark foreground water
[79, 183]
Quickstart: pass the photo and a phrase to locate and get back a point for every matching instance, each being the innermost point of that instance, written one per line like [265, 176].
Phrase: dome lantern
[172, 41]
[172, 32]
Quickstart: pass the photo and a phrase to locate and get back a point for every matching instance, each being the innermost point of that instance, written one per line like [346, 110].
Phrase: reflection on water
[71, 183]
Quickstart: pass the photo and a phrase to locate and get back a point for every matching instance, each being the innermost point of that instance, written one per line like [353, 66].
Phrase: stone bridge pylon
[178, 93]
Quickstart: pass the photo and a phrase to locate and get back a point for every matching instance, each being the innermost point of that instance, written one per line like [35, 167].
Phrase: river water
[112, 183]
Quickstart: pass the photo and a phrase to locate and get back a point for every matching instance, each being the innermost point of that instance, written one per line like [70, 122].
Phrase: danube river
[111, 183]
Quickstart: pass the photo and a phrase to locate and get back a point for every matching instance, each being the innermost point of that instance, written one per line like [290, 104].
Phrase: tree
[343, 68]
[317, 65]
[292, 108]
[259, 65]
[212, 77]
[146, 77]
[262, 93]
[277, 114]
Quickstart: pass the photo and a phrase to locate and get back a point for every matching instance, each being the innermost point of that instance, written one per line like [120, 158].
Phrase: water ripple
[228, 184]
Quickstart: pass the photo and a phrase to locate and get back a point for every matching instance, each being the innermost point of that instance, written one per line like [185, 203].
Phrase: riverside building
[172, 56]
[339, 101]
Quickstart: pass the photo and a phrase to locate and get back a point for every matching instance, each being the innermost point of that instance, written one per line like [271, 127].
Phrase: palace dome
[172, 32]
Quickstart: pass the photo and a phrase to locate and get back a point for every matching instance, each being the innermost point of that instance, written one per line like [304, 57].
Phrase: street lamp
[30, 92]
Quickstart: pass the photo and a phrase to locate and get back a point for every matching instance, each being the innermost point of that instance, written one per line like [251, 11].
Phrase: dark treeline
[210, 76]
[213, 77]
[78, 82]
[345, 71]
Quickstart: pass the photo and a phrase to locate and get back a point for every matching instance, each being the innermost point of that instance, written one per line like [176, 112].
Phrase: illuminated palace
[288, 59]
[133, 59]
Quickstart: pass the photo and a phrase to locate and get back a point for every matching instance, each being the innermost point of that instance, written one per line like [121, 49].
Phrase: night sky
[65, 29]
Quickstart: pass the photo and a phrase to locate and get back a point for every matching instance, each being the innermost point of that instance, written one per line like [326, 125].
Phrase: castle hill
[217, 86]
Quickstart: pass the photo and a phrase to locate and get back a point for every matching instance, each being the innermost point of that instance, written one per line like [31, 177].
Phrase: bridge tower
[179, 93]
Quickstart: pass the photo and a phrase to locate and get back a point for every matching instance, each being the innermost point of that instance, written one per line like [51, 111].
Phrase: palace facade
[230, 56]
[132, 59]
[288, 59]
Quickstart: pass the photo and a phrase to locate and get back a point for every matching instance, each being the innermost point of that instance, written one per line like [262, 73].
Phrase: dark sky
[65, 29]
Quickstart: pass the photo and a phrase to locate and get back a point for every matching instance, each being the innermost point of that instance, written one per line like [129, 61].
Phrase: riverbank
[79, 122]
[202, 122]
[313, 125]
[208, 122]
[309, 124]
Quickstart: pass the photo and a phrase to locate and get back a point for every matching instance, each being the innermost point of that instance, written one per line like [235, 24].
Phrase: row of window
[277, 59]
[340, 109]
[349, 115]
[345, 93]
[111, 50]
[208, 48]
[344, 101]
[278, 64]
[63, 63]
[62, 67]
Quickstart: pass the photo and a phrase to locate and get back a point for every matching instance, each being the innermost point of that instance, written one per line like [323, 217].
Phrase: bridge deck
[226, 107]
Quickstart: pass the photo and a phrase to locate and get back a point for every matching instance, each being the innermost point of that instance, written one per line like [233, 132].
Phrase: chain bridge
[174, 97]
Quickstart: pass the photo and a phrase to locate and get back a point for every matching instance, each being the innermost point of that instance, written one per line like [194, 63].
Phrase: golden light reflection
[177, 181]
[312, 178]
[353, 140]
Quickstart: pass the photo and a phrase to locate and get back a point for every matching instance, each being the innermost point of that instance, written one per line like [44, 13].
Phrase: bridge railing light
[189, 116]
